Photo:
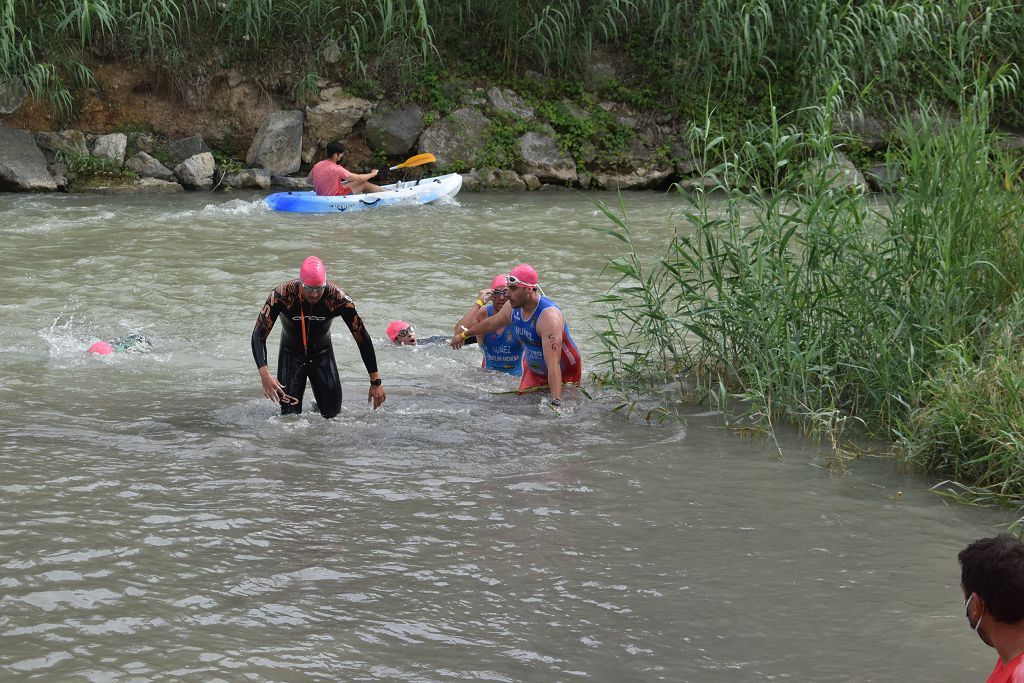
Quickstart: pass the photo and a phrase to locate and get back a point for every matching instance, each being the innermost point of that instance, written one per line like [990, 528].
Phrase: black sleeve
[358, 330]
[264, 323]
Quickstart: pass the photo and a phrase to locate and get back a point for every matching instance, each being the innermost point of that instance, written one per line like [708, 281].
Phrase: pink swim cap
[101, 347]
[525, 274]
[312, 272]
[395, 327]
[499, 281]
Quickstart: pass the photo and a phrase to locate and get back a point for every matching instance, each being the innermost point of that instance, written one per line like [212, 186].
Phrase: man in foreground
[550, 357]
[330, 179]
[310, 303]
[992, 579]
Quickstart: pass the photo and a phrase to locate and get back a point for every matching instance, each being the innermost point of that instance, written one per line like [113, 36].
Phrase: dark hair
[335, 148]
[994, 569]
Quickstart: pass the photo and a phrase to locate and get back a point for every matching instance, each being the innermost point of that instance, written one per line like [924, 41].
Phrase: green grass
[825, 309]
[877, 53]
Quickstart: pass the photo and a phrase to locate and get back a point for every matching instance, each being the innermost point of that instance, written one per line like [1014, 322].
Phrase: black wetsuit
[314, 360]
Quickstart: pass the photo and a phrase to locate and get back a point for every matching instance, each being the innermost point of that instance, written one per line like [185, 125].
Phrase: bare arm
[550, 326]
[473, 314]
[485, 326]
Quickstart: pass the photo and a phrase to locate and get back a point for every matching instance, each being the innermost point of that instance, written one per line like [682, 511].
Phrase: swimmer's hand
[272, 389]
[376, 397]
[485, 295]
[555, 404]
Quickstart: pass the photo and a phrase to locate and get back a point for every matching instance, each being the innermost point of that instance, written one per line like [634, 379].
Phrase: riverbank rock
[539, 155]
[278, 144]
[395, 130]
[882, 177]
[196, 173]
[250, 178]
[149, 167]
[506, 100]
[868, 130]
[843, 175]
[141, 186]
[186, 148]
[12, 95]
[489, 178]
[289, 184]
[334, 117]
[456, 137]
[22, 163]
[66, 141]
[111, 147]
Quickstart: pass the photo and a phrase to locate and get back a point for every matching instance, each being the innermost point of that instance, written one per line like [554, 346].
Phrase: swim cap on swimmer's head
[499, 282]
[101, 347]
[312, 272]
[523, 274]
[395, 327]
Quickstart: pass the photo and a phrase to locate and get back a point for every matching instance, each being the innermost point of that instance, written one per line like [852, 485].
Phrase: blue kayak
[423, 191]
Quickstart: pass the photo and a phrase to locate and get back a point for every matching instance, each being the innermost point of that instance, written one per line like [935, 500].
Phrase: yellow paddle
[417, 160]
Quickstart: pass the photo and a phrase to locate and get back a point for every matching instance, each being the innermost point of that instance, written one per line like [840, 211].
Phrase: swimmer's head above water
[132, 343]
[313, 277]
[401, 332]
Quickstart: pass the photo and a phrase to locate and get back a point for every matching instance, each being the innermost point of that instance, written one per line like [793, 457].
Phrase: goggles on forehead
[513, 280]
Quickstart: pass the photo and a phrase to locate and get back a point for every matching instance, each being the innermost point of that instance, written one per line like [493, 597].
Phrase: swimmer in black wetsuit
[310, 304]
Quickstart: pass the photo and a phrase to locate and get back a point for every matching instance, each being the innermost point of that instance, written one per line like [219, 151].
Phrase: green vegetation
[873, 53]
[88, 171]
[821, 307]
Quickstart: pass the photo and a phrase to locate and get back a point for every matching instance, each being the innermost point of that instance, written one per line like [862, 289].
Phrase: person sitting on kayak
[550, 356]
[502, 349]
[132, 343]
[404, 334]
[330, 179]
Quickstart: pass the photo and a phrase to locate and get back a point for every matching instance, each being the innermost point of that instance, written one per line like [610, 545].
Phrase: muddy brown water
[160, 521]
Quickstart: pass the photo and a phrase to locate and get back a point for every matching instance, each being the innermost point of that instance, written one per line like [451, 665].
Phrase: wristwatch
[376, 382]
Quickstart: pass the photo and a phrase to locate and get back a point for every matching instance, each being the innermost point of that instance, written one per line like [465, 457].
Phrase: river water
[160, 520]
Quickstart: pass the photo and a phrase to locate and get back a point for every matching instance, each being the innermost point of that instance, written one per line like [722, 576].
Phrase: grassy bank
[744, 54]
[900, 319]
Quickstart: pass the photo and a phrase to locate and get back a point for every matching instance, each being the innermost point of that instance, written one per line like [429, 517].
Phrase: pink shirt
[326, 177]
[1008, 673]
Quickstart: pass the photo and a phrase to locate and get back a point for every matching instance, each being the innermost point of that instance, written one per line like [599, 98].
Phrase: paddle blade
[417, 160]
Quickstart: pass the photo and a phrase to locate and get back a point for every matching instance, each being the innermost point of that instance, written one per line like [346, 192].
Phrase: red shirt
[1008, 673]
[327, 176]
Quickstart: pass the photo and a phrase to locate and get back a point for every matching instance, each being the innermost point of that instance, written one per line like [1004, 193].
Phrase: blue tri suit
[502, 352]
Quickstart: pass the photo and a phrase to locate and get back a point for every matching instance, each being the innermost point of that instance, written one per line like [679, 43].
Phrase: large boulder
[67, 141]
[12, 96]
[538, 154]
[278, 144]
[186, 148]
[394, 129]
[335, 116]
[22, 163]
[196, 173]
[148, 167]
[489, 178]
[456, 137]
[111, 147]
[644, 178]
[250, 178]
[506, 100]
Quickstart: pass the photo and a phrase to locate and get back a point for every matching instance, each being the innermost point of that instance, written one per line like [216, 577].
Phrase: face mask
[977, 624]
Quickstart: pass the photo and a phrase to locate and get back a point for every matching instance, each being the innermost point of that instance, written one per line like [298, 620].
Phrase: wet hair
[335, 148]
[994, 569]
